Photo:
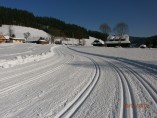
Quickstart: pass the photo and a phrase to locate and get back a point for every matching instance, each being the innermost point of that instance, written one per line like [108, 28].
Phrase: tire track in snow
[74, 105]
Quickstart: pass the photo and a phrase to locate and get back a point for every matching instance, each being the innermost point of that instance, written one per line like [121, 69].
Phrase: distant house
[58, 40]
[42, 41]
[17, 40]
[113, 41]
[4, 39]
[98, 42]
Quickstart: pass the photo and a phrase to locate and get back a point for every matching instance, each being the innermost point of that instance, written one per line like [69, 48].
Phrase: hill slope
[51, 25]
[20, 30]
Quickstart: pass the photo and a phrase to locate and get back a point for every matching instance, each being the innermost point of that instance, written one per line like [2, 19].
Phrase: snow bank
[26, 59]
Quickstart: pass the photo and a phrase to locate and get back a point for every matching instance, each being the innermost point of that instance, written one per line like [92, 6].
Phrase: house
[58, 40]
[113, 41]
[4, 39]
[98, 42]
[17, 40]
[42, 41]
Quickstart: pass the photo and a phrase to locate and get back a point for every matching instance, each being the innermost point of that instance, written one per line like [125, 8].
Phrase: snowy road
[80, 83]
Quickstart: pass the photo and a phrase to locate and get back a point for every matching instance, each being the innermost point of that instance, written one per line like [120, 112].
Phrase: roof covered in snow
[114, 37]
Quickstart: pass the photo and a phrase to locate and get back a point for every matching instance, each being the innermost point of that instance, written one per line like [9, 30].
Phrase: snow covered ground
[20, 30]
[80, 82]
[15, 54]
[73, 41]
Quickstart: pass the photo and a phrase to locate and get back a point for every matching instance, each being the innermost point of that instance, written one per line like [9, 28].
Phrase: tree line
[120, 29]
[57, 27]
[51, 25]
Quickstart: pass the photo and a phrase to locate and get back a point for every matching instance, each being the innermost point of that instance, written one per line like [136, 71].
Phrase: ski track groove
[125, 84]
[126, 91]
[4, 90]
[29, 66]
[150, 68]
[74, 105]
[26, 72]
[30, 70]
[152, 92]
[33, 101]
[148, 88]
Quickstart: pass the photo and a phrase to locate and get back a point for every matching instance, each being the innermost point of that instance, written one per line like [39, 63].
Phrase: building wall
[16, 41]
[2, 40]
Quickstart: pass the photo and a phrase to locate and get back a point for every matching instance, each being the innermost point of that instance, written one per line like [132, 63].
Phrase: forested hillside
[51, 25]
[57, 27]
[149, 41]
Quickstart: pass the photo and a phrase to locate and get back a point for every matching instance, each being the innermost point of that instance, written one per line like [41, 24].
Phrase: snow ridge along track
[74, 105]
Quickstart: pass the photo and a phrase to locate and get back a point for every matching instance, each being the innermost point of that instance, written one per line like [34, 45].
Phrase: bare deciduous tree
[52, 38]
[121, 29]
[10, 30]
[105, 28]
[27, 35]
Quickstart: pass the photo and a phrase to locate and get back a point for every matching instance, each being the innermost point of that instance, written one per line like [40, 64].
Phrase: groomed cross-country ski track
[77, 82]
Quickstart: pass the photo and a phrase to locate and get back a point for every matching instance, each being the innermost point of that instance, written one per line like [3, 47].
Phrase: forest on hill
[149, 41]
[51, 25]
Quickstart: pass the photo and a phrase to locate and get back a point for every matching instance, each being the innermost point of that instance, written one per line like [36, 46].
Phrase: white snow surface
[88, 42]
[15, 54]
[91, 40]
[20, 30]
[80, 82]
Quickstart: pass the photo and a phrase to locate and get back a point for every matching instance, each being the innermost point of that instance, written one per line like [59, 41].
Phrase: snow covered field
[79, 82]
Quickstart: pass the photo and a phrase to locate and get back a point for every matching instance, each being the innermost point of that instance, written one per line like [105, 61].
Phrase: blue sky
[140, 15]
